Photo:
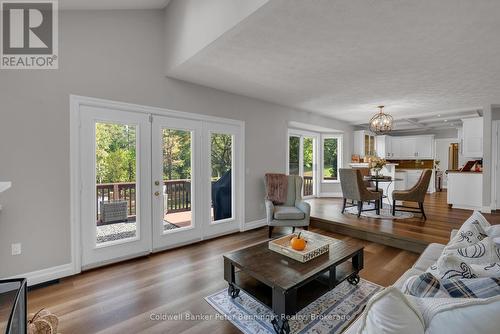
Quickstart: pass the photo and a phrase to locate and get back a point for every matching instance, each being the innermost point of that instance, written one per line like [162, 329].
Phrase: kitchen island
[465, 190]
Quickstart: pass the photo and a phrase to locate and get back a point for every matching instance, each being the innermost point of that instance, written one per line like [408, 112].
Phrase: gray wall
[116, 55]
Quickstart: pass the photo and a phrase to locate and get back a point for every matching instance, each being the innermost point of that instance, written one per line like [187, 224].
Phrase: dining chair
[414, 194]
[354, 188]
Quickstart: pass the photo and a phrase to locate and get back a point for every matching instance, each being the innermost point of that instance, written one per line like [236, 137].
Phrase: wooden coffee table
[277, 280]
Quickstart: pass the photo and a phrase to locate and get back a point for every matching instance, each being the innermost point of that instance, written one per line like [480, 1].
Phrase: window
[332, 158]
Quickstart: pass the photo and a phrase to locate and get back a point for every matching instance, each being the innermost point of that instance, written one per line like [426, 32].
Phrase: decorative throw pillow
[472, 231]
[452, 266]
[426, 285]
[459, 315]
[493, 231]
[388, 312]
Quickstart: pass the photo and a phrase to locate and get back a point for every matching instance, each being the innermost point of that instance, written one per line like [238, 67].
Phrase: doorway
[153, 179]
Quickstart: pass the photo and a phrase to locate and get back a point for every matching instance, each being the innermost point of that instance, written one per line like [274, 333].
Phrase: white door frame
[76, 102]
[495, 166]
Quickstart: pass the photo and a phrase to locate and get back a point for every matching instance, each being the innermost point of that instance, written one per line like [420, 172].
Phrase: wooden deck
[412, 234]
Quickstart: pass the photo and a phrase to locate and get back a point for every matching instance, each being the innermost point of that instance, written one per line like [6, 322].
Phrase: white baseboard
[48, 274]
[330, 194]
[254, 224]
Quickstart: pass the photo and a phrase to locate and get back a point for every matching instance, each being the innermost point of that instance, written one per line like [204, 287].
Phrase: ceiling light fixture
[381, 122]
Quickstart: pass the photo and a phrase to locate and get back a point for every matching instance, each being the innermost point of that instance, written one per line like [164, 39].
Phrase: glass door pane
[177, 157]
[294, 155]
[115, 189]
[308, 165]
[221, 157]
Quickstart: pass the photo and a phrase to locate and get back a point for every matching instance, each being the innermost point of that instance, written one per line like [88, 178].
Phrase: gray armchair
[294, 212]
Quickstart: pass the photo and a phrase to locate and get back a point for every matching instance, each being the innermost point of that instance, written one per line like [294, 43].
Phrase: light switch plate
[16, 249]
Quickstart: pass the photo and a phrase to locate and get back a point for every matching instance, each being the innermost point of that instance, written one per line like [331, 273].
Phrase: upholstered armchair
[294, 212]
[354, 188]
[414, 194]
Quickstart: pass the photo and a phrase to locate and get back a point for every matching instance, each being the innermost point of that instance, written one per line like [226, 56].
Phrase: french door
[152, 182]
[302, 157]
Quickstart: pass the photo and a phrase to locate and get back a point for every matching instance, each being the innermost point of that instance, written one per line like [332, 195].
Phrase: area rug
[385, 213]
[331, 313]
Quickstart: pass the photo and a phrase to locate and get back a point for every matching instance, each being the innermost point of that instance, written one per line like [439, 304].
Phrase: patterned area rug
[385, 213]
[331, 313]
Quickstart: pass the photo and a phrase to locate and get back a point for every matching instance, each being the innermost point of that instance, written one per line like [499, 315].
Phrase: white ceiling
[344, 58]
[112, 4]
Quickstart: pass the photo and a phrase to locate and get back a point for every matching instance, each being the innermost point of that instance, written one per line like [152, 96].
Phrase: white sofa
[426, 259]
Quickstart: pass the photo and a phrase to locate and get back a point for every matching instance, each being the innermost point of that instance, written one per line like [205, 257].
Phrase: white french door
[177, 200]
[151, 182]
[302, 157]
[115, 185]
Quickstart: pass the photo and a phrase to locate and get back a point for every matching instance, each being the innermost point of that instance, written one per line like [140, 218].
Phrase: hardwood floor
[411, 234]
[122, 297]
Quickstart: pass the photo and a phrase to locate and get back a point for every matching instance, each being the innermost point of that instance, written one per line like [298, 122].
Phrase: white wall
[116, 55]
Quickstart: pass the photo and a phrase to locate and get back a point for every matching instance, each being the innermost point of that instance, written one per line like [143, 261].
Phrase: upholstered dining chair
[354, 188]
[414, 194]
[294, 212]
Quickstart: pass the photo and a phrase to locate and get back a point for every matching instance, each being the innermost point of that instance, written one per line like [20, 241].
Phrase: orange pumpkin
[298, 243]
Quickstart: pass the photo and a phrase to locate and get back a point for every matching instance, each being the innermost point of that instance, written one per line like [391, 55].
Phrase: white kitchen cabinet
[364, 143]
[472, 142]
[384, 147]
[412, 147]
[424, 147]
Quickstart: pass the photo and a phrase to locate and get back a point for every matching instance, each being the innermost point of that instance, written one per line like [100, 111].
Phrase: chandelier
[381, 122]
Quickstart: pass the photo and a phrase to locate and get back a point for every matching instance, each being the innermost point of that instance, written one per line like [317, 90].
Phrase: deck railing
[178, 195]
[308, 186]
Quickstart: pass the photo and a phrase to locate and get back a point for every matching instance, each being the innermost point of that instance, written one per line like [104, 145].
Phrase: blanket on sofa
[427, 285]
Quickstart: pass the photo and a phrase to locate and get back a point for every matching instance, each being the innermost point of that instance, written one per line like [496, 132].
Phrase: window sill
[330, 181]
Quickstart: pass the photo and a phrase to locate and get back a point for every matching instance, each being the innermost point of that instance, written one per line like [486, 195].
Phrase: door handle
[157, 193]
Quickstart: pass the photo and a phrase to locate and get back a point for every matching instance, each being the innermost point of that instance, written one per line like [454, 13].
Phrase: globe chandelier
[381, 123]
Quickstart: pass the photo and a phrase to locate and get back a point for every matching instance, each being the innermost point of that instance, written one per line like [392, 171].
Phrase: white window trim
[340, 146]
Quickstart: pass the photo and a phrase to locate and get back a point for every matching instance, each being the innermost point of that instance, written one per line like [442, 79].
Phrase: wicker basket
[317, 245]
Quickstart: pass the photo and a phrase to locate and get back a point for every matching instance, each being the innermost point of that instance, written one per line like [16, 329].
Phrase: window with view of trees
[331, 158]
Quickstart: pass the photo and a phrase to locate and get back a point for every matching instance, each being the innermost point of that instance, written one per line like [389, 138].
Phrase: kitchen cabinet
[406, 147]
[472, 137]
[383, 146]
[364, 143]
